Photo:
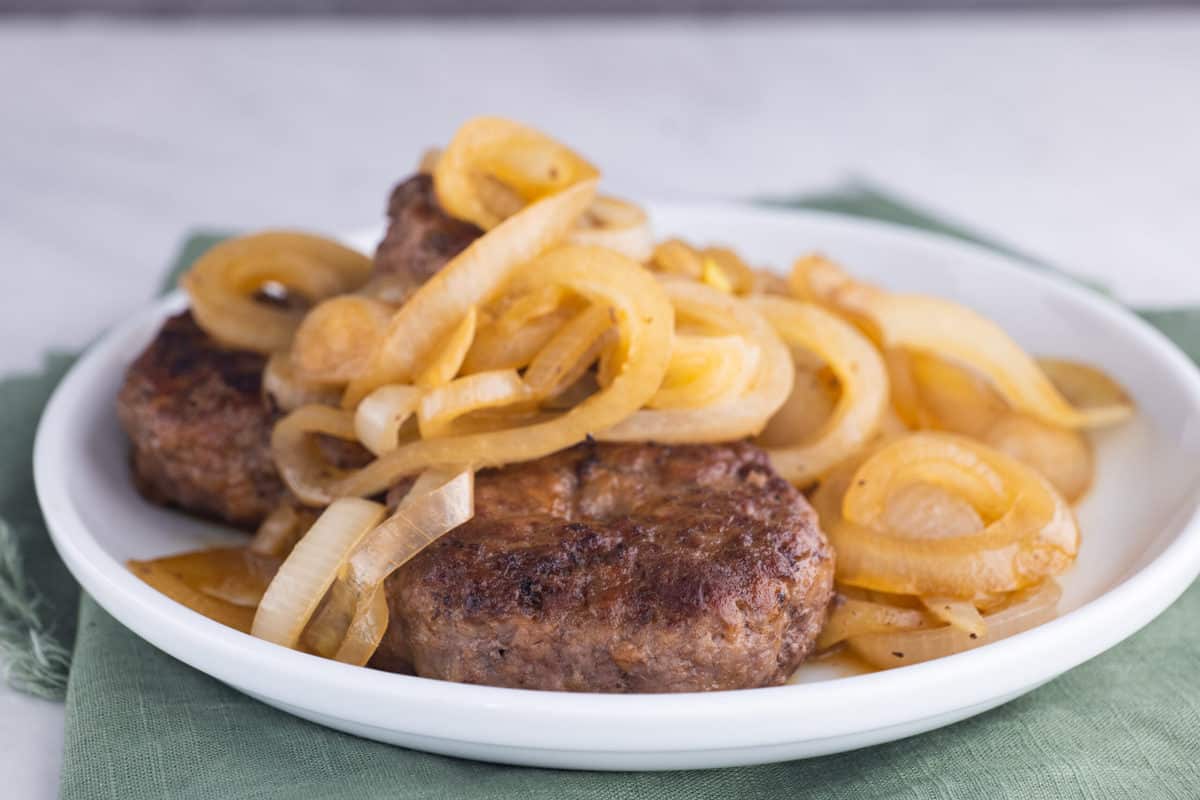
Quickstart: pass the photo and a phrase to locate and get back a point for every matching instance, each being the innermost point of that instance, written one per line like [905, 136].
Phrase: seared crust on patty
[619, 568]
[420, 239]
[200, 427]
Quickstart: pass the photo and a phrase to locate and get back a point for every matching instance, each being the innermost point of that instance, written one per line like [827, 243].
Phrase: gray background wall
[456, 7]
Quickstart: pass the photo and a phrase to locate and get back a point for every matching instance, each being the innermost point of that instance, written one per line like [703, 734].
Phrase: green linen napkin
[140, 724]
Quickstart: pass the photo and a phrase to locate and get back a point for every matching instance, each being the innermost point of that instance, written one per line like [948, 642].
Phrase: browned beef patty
[195, 412]
[619, 568]
[200, 426]
[420, 239]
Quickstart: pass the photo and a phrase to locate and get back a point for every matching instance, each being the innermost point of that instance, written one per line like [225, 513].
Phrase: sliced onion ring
[335, 340]
[706, 370]
[1027, 609]
[745, 415]
[617, 225]
[380, 416]
[449, 359]
[569, 352]
[852, 616]
[522, 161]
[223, 282]
[311, 568]
[955, 332]
[440, 407]
[1030, 531]
[860, 373]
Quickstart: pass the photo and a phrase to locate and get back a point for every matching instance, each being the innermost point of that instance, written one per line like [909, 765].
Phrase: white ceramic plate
[1141, 545]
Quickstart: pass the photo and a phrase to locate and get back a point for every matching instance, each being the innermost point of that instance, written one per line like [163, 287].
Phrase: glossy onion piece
[1063, 457]
[449, 359]
[1029, 531]
[569, 352]
[380, 416]
[860, 373]
[496, 349]
[809, 407]
[354, 616]
[366, 628]
[744, 415]
[954, 398]
[959, 613]
[677, 257]
[470, 279]
[311, 568]
[224, 282]
[278, 533]
[616, 225]
[491, 162]
[956, 333]
[644, 320]
[223, 584]
[705, 370]
[335, 341]
[1083, 385]
[1026, 609]
[853, 616]
[439, 407]
[288, 391]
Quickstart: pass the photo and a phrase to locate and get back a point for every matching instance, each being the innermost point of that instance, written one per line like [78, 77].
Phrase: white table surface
[1075, 137]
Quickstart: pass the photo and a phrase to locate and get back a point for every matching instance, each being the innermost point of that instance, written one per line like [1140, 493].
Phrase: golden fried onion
[860, 373]
[956, 333]
[730, 417]
[1028, 532]
[224, 283]
[493, 166]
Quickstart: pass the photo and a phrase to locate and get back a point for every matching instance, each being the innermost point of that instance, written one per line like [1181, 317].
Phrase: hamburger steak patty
[200, 428]
[195, 411]
[420, 239]
[618, 568]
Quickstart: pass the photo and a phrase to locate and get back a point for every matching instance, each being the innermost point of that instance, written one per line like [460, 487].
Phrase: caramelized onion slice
[470, 279]
[1083, 385]
[852, 616]
[311, 568]
[1027, 609]
[706, 370]
[449, 359]
[569, 352]
[224, 282]
[380, 416]
[287, 390]
[335, 341]
[497, 348]
[958, 613]
[223, 584]
[489, 155]
[439, 407]
[1063, 457]
[859, 371]
[1029, 531]
[730, 418]
[617, 225]
[354, 616]
[956, 333]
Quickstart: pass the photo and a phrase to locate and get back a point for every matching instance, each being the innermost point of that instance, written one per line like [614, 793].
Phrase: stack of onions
[945, 456]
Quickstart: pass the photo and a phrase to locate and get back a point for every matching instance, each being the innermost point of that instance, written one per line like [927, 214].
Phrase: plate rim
[510, 716]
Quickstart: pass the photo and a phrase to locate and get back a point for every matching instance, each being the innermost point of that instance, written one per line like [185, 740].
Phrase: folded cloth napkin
[140, 724]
